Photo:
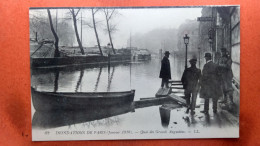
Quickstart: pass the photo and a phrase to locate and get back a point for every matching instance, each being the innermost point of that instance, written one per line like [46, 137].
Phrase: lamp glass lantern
[186, 39]
[210, 40]
[186, 42]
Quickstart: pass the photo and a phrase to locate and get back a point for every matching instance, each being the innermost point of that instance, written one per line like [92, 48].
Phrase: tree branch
[99, 21]
[111, 14]
[89, 25]
[96, 11]
[77, 12]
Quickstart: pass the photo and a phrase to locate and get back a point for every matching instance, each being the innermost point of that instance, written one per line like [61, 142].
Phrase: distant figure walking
[165, 72]
[226, 74]
[190, 81]
[210, 84]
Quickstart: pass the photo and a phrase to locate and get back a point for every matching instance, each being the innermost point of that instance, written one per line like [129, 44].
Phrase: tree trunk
[110, 38]
[76, 31]
[57, 52]
[95, 29]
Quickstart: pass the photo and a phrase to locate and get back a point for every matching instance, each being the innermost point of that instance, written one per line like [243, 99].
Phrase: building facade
[222, 31]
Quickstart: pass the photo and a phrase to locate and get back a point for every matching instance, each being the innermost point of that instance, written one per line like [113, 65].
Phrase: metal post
[186, 58]
[186, 42]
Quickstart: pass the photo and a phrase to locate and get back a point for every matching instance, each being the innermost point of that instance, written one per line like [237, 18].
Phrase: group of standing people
[214, 82]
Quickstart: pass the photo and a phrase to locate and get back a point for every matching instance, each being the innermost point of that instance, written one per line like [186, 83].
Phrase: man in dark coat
[226, 74]
[210, 84]
[190, 81]
[165, 72]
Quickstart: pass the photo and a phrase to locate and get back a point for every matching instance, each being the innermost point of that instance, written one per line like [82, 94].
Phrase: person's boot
[188, 109]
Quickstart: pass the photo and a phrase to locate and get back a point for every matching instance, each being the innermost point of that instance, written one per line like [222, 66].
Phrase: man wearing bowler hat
[210, 85]
[190, 81]
[165, 72]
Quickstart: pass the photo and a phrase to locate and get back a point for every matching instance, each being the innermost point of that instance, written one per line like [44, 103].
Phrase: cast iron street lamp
[186, 42]
[210, 34]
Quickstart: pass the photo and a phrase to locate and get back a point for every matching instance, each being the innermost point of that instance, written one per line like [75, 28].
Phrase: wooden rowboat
[47, 101]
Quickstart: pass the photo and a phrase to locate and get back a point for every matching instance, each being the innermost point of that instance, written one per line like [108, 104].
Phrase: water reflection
[110, 77]
[57, 73]
[141, 76]
[117, 77]
[218, 120]
[60, 118]
[98, 78]
[165, 116]
[80, 79]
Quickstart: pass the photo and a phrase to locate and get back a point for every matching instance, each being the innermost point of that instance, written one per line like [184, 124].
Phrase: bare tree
[39, 24]
[74, 17]
[57, 52]
[109, 13]
[95, 29]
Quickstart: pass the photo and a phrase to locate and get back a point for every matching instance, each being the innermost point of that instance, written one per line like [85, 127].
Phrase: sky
[130, 21]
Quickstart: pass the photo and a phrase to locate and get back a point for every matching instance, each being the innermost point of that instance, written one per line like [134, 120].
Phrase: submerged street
[141, 76]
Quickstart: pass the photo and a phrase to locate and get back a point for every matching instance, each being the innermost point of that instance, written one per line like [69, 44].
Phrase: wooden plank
[177, 87]
[177, 99]
[171, 106]
[151, 102]
[173, 84]
[177, 92]
[166, 91]
[163, 92]
[174, 81]
[147, 98]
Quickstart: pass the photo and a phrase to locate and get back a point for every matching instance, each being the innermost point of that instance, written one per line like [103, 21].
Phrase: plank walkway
[152, 101]
[178, 99]
[162, 92]
[176, 87]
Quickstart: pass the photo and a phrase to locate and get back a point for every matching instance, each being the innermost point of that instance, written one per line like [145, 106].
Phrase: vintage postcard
[111, 73]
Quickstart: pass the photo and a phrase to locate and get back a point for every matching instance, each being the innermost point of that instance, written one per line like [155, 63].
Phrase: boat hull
[48, 101]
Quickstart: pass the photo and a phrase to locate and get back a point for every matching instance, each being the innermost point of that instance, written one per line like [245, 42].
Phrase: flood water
[141, 76]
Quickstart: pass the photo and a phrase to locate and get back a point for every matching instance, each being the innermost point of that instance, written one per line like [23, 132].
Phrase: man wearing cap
[190, 81]
[165, 72]
[210, 85]
[226, 74]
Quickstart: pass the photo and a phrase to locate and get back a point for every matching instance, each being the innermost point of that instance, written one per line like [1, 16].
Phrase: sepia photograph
[114, 73]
